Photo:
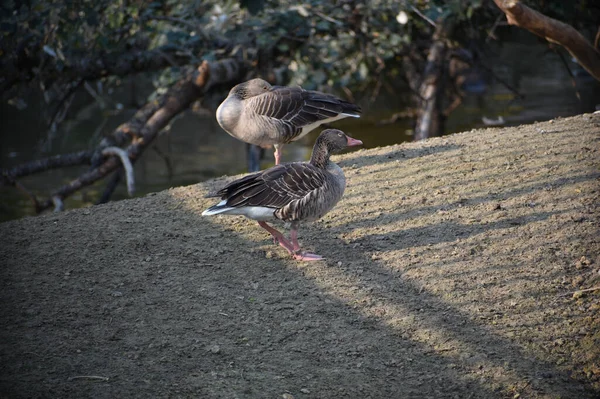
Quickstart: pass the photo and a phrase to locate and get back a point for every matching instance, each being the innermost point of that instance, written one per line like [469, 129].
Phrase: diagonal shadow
[400, 152]
[550, 184]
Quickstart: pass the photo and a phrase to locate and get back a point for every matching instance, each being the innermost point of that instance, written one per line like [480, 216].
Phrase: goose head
[335, 140]
[251, 88]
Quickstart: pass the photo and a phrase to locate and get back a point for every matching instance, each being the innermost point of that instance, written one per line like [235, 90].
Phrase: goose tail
[216, 209]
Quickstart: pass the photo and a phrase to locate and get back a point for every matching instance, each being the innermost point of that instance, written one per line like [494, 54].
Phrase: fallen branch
[129, 175]
[41, 165]
[554, 31]
[110, 188]
[58, 203]
[149, 121]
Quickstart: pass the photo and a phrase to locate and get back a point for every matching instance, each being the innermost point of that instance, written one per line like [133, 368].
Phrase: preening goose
[291, 192]
[261, 114]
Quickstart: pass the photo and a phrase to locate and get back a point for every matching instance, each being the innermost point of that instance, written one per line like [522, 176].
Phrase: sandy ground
[456, 268]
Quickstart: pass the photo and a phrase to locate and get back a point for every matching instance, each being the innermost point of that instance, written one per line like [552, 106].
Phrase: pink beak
[352, 142]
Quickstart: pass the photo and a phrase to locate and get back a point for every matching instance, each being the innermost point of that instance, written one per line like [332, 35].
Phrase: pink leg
[298, 254]
[278, 153]
[278, 237]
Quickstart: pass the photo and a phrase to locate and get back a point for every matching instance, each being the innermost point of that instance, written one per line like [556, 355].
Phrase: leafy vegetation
[357, 45]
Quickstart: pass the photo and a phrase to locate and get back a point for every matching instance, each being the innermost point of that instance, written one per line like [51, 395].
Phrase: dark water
[195, 148]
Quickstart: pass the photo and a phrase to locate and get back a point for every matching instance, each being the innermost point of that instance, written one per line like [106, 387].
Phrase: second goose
[261, 114]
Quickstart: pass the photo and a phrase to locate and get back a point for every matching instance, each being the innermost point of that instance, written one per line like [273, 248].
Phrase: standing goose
[291, 192]
[261, 114]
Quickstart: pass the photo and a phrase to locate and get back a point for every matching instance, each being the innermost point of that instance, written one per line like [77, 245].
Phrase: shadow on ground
[448, 282]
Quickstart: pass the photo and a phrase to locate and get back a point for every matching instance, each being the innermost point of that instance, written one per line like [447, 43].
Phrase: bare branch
[420, 14]
[129, 175]
[59, 205]
[110, 188]
[568, 68]
[554, 31]
[28, 193]
[41, 165]
[151, 119]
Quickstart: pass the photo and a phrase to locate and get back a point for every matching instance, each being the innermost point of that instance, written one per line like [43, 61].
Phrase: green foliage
[343, 43]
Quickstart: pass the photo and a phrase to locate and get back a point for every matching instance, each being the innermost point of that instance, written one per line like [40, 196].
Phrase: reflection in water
[195, 148]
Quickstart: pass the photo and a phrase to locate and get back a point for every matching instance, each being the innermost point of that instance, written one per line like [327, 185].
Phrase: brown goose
[261, 114]
[291, 192]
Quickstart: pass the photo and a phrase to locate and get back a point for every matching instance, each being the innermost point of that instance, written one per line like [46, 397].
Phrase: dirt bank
[455, 268]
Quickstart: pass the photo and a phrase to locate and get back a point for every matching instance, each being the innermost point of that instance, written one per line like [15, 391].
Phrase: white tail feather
[216, 209]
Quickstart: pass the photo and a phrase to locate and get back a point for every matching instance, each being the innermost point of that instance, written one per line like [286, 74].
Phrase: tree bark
[430, 120]
[554, 31]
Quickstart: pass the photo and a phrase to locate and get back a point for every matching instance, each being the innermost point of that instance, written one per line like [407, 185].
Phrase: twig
[173, 19]
[110, 188]
[95, 95]
[426, 18]
[348, 94]
[398, 115]
[502, 81]
[376, 89]
[31, 196]
[88, 377]
[328, 18]
[566, 64]
[129, 175]
[167, 57]
[166, 159]
[493, 28]
[70, 92]
[98, 131]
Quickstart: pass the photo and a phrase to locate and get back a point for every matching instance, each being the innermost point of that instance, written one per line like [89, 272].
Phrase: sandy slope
[451, 269]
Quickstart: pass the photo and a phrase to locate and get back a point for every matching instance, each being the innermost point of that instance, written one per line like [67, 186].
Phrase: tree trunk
[430, 120]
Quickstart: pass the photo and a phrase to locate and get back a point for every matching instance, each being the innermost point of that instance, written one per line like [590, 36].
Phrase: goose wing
[276, 187]
[294, 108]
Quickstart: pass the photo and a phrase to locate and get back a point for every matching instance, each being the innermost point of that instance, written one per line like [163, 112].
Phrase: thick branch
[177, 99]
[553, 31]
[41, 165]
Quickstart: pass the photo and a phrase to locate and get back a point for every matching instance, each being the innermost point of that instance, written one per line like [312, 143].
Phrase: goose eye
[339, 135]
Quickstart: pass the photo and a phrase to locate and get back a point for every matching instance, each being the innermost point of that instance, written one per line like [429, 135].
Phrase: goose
[263, 115]
[290, 192]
